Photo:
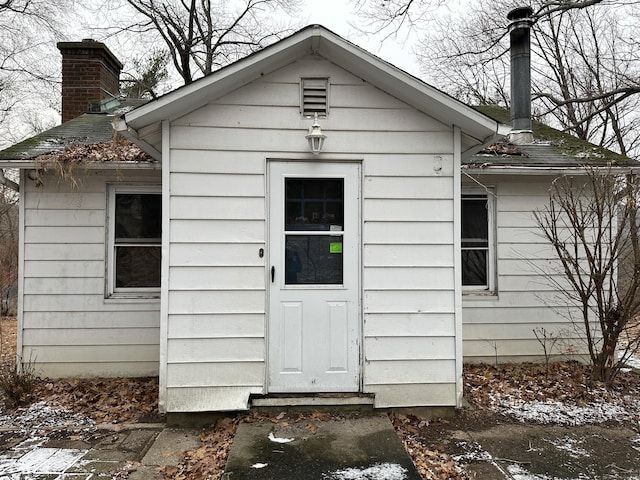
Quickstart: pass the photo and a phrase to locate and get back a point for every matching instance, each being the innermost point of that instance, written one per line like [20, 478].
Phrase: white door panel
[314, 311]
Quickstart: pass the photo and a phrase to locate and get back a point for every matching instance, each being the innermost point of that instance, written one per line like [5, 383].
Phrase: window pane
[474, 267]
[137, 267]
[314, 204]
[475, 227]
[138, 217]
[313, 259]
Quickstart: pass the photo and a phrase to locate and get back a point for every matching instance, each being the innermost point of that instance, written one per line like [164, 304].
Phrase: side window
[477, 241]
[135, 238]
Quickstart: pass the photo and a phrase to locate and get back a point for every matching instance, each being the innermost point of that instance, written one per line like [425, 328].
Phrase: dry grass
[8, 339]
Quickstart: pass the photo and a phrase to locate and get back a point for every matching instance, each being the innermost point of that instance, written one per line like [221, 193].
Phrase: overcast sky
[336, 16]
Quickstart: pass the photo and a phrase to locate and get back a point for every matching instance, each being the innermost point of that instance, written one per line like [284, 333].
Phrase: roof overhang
[546, 170]
[120, 165]
[142, 125]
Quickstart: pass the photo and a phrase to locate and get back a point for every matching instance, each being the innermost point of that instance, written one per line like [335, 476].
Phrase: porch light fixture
[315, 136]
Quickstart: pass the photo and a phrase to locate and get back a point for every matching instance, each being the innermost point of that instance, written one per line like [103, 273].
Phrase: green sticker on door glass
[335, 247]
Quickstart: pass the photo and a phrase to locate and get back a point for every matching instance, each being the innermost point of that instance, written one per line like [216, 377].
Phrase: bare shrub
[17, 385]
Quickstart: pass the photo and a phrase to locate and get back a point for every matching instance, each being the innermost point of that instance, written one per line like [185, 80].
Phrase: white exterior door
[314, 277]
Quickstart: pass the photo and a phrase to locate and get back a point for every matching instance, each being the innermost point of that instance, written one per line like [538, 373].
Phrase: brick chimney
[90, 73]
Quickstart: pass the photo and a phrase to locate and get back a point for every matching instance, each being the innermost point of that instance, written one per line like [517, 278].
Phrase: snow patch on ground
[473, 453]
[40, 416]
[31, 456]
[519, 473]
[571, 446]
[51, 461]
[275, 439]
[633, 362]
[551, 412]
[381, 471]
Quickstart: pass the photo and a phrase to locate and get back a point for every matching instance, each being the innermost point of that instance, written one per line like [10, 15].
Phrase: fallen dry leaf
[311, 427]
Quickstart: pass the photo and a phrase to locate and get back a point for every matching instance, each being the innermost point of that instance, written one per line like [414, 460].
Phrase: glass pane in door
[312, 206]
[313, 259]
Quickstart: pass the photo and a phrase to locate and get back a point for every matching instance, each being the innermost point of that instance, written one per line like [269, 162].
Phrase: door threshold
[313, 400]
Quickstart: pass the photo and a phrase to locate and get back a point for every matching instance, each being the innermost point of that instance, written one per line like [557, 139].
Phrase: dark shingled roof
[551, 148]
[87, 129]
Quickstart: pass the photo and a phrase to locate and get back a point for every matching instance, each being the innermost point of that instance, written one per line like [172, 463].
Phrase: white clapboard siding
[420, 188]
[218, 278]
[217, 231]
[199, 161]
[238, 325]
[217, 167]
[69, 328]
[404, 301]
[271, 139]
[218, 208]
[203, 399]
[401, 119]
[216, 254]
[433, 394]
[408, 278]
[92, 353]
[436, 256]
[37, 252]
[523, 350]
[51, 198]
[399, 372]
[404, 165]
[519, 331]
[216, 301]
[217, 350]
[527, 268]
[413, 210]
[91, 321]
[413, 348]
[64, 268]
[218, 374]
[101, 336]
[408, 324]
[412, 233]
[123, 367]
[217, 185]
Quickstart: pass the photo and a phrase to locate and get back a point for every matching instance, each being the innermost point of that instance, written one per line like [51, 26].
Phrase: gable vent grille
[314, 92]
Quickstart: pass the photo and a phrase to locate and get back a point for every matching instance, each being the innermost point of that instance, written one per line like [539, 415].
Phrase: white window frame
[111, 290]
[490, 286]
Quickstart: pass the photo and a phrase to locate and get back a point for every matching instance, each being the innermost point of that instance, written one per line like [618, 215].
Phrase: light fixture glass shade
[315, 137]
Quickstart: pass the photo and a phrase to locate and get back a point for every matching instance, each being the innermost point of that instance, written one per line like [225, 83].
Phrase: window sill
[479, 294]
[133, 298]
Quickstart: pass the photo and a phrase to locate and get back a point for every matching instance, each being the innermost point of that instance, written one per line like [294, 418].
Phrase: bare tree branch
[592, 223]
[201, 36]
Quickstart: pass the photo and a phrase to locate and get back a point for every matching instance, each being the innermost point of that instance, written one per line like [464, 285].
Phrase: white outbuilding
[308, 223]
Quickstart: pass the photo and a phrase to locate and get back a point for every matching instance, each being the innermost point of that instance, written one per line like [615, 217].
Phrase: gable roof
[143, 125]
[553, 151]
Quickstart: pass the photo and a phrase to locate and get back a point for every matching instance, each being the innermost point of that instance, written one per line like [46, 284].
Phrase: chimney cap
[520, 13]
[89, 43]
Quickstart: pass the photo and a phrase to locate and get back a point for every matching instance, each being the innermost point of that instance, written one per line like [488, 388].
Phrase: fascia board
[540, 170]
[317, 39]
[192, 96]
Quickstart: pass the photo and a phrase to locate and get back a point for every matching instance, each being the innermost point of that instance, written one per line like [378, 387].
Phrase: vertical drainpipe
[520, 46]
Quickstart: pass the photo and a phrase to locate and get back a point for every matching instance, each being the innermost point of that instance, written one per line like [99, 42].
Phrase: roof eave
[34, 164]
[544, 170]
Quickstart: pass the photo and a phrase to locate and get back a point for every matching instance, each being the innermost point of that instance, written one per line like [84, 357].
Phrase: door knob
[273, 273]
